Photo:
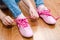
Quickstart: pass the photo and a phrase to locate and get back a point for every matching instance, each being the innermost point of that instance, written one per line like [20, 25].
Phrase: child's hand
[33, 13]
[7, 20]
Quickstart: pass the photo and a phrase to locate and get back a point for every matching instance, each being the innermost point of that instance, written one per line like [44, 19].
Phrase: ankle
[20, 16]
[42, 7]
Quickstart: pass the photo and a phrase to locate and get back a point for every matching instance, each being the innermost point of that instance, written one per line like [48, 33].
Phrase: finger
[31, 13]
[11, 21]
[8, 20]
[5, 23]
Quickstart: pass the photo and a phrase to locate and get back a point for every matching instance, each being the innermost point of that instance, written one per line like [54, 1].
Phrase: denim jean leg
[39, 2]
[17, 1]
[13, 6]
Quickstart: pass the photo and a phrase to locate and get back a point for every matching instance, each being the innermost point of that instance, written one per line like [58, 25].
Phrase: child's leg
[12, 5]
[39, 2]
[40, 5]
[44, 12]
[20, 19]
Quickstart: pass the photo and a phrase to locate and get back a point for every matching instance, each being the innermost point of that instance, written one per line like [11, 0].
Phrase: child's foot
[24, 26]
[44, 13]
[33, 13]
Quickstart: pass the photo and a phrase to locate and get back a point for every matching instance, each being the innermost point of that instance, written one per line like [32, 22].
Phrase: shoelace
[22, 22]
[47, 12]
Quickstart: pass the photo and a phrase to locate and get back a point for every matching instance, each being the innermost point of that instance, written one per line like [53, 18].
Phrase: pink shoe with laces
[46, 16]
[24, 27]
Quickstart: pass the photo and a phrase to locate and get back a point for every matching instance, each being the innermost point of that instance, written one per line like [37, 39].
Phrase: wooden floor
[42, 31]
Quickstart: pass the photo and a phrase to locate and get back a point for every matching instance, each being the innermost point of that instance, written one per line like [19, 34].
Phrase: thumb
[14, 23]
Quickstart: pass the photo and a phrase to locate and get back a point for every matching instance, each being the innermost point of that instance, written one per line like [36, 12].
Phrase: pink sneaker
[46, 16]
[24, 27]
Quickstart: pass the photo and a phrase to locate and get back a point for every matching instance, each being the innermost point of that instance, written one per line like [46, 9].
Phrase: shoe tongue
[44, 12]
